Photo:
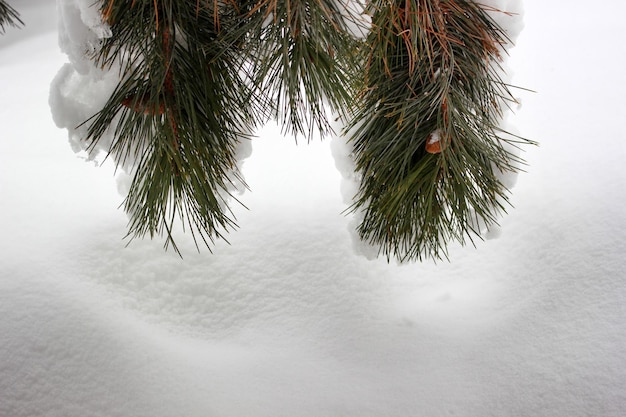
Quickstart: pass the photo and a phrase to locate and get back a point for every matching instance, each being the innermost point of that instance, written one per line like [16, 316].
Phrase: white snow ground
[287, 320]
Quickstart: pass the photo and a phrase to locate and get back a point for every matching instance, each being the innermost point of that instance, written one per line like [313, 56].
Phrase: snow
[287, 320]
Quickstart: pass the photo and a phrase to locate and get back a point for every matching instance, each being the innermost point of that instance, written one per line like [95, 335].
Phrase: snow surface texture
[288, 321]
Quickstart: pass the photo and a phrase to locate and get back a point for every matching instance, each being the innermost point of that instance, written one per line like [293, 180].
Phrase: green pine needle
[303, 58]
[8, 17]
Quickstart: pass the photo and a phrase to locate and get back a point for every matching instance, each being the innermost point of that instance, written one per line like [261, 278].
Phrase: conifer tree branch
[303, 58]
[8, 17]
[178, 114]
[426, 134]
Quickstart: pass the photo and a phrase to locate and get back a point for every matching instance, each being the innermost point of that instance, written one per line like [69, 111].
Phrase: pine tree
[8, 16]
[420, 93]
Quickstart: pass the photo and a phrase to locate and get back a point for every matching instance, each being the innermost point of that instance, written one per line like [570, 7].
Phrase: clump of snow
[76, 96]
[434, 137]
[344, 162]
[342, 153]
[80, 29]
[81, 88]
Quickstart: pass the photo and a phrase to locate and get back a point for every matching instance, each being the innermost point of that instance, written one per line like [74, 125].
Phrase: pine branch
[303, 57]
[8, 17]
[426, 138]
[178, 114]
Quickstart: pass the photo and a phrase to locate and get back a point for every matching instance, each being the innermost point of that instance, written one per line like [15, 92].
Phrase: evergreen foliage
[179, 112]
[425, 133]
[8, 16]
[303, 57]
[421, 94]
